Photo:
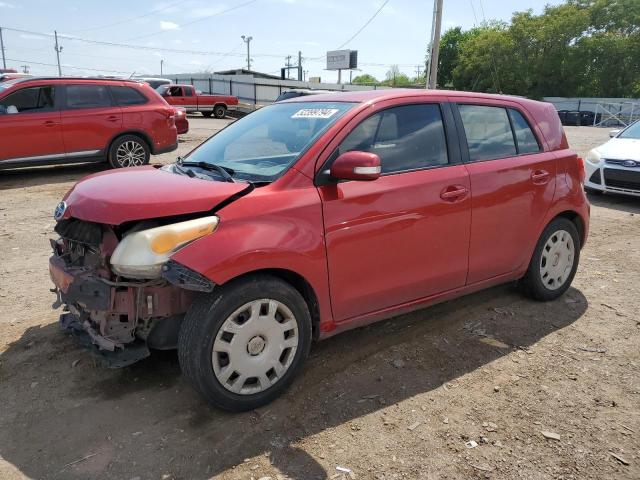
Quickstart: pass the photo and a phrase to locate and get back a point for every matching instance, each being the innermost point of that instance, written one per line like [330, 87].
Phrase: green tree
[395, 78]
[365, 79]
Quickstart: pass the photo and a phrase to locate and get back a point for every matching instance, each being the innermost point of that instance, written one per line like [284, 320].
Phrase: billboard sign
[342, 59]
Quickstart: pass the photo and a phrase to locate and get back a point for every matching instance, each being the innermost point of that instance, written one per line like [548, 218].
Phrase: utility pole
[288, 58]
[25, 68]
[304, 75]
[418, 71]
[58, 49]
[247, 40]
[432, 71]
[4, 61]
[299, 66]
[161, 64]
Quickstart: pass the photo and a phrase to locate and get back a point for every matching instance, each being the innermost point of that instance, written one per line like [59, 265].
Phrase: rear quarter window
[525, 138]
[127, 96]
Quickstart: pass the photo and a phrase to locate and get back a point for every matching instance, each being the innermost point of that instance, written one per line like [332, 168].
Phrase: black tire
[207, 114]
[139, 145]
[205, 318]
[533, 283]
[220, 111]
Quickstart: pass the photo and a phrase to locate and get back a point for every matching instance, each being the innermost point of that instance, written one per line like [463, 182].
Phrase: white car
[615, 166]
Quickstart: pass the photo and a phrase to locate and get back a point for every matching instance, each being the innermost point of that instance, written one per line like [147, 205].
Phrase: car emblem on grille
[58, 213]
[630, 163]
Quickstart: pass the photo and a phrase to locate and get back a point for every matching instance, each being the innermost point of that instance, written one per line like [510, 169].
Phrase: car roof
[363, 96]
[74, 79]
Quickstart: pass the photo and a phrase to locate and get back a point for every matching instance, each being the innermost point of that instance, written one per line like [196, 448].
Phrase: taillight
[171, 117]
[581, 172]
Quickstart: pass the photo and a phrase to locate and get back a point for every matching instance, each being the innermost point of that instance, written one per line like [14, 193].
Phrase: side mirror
[356, 165]
[613, 133]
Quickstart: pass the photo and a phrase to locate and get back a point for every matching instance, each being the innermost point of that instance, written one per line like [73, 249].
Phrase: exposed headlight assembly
[593, 157]
[142, 254]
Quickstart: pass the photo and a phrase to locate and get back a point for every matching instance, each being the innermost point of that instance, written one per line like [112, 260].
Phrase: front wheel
[554, 262]
[242, 345]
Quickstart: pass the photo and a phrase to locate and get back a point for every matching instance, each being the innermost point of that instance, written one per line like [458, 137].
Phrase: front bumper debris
[88, 338]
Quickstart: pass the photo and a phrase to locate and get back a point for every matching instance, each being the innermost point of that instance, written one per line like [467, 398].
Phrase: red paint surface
[373, 249]
[61, 131]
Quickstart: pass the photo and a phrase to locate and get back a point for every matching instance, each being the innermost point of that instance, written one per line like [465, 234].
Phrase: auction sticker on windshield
[315, 113]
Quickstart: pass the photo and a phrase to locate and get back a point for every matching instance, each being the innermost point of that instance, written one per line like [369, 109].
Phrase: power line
[196, 20]
[120, 22]
[134, 47]
[358, 32]
[68, 66]
[365, 25]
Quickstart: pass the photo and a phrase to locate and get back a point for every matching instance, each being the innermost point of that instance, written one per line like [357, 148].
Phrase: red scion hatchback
[46, 121]
[313, 216]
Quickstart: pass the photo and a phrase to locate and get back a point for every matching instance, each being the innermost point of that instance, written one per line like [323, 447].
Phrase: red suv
[313, 216]
[46, 121]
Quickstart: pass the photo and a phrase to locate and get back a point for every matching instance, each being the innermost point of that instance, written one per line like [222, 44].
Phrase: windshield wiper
[225, 172]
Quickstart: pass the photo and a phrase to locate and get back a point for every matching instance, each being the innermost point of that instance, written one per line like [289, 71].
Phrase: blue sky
[397, 35]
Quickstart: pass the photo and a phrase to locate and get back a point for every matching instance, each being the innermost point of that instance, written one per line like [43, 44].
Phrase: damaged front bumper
[118, 321]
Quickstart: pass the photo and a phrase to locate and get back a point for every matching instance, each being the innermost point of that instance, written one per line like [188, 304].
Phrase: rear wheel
[242, 345]
[220, 111]
[554, 261]
[129, 151]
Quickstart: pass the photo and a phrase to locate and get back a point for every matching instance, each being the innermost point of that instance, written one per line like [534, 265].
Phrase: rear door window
[525, 139]
[127, 96]
[88, 96]
[409, 137]
[33, 99]
[488, 132]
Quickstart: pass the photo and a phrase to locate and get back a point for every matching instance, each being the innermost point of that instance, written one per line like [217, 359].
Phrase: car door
[90, 119]
[512, 183]
[35, 129]
[404, 236]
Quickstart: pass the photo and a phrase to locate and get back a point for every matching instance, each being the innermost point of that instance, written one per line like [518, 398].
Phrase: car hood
[621, 149]
[140, 193]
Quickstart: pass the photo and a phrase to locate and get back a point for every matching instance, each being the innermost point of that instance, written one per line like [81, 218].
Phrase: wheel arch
[301, 284]
[137, 133]
[576, 219]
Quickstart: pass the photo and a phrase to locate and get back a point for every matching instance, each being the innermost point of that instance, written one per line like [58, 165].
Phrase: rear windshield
[261, 146]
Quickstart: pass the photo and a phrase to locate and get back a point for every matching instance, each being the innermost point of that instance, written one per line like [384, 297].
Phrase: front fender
[287, 235]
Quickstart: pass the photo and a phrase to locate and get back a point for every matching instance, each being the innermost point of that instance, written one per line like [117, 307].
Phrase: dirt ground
[396, 400]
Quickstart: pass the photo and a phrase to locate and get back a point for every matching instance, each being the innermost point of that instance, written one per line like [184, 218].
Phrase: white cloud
[28, 36]
[7, 5]
[164, 25]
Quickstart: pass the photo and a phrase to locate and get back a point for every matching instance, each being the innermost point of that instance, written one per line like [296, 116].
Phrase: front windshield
[162, 89]
[633, 131]
[9, 83]
[261, 146]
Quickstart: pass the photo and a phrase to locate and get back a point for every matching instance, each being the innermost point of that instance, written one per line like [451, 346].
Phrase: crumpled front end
[118, 319]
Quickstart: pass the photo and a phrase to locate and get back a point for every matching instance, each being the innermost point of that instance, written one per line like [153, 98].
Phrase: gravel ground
[545, 390]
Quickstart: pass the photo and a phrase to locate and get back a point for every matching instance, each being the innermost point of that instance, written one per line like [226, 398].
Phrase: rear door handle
[454, 193]
[51, 123]
[113, 118]
[540, 177]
